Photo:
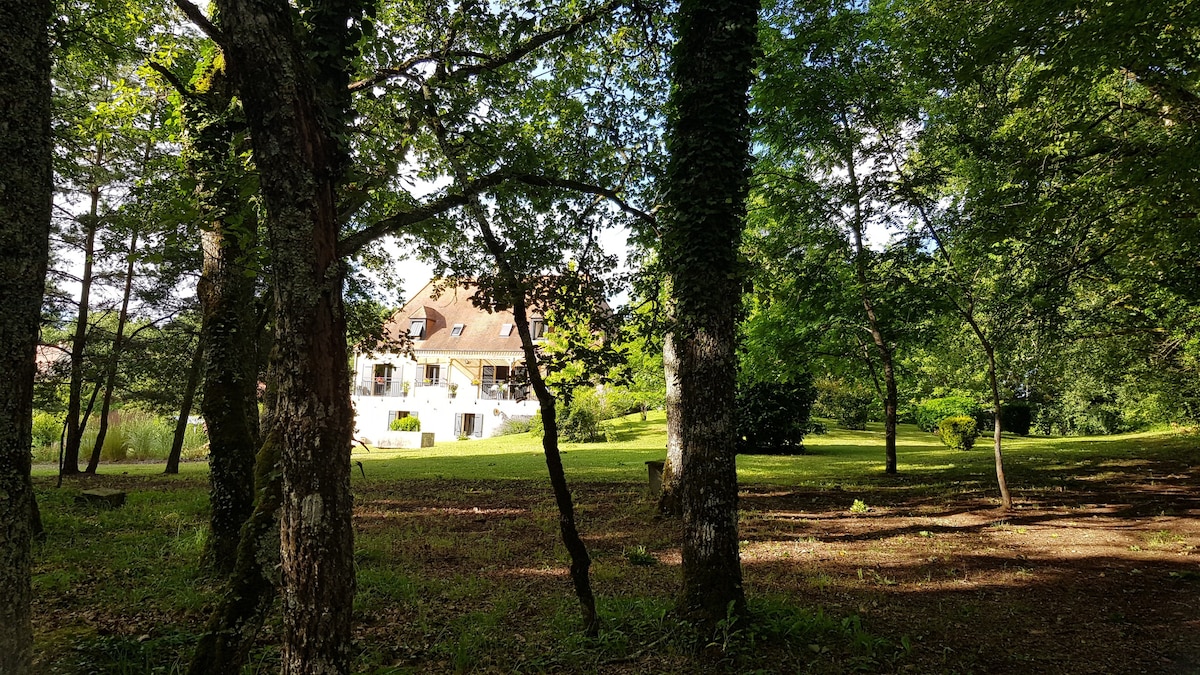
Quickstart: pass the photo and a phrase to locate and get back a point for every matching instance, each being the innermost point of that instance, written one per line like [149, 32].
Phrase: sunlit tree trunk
[110, 371]
[76, 420]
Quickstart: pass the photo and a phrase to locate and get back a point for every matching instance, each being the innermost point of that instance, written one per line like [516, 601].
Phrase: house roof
[481, 330]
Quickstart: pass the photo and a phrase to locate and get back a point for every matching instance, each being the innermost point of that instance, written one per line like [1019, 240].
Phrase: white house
[464, 379]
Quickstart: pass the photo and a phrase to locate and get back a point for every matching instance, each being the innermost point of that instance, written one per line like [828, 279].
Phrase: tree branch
[197, 17]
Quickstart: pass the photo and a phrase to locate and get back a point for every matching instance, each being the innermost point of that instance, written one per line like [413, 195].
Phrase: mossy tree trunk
[293, 87]
[228, 324]
[706, 184]
[25, 203]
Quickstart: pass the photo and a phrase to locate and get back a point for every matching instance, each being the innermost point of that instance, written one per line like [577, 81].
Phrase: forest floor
[1095, 570]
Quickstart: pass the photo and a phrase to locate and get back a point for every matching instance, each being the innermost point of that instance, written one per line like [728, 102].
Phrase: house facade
[465, 377]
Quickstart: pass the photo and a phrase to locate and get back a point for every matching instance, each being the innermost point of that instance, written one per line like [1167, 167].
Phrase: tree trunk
[110, 374]
[75, 422]
[705, 194]
[669, 503]
[294, 134]
[185, 410]
[25, 204]
[1005, 497]
[233, 625]
[228, 323]
[881, 345]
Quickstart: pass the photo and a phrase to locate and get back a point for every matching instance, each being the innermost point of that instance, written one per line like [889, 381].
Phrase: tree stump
[106, 497]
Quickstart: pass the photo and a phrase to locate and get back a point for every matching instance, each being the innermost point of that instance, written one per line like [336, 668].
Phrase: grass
[133, 436]
[460, 568]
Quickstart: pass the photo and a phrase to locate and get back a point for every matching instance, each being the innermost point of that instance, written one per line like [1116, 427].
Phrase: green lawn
[460, 568]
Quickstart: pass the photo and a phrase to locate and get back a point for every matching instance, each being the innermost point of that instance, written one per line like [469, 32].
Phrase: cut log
[106, 497]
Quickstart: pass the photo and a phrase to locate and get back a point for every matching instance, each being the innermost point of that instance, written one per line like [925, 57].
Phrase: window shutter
[458, 424]
[489, 374]
[478, 426]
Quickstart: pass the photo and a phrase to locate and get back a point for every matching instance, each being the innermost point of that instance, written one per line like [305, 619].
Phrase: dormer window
[537, 328]
[457, 330]
[506, 330]
[416, 329]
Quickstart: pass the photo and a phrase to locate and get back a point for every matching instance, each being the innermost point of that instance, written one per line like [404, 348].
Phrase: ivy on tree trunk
[706, 184]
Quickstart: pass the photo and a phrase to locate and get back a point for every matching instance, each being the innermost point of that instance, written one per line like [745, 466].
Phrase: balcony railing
[432, 381]
[380, 386]
[503, 391]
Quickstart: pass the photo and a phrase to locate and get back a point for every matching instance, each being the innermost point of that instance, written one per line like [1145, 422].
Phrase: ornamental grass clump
[957, 432]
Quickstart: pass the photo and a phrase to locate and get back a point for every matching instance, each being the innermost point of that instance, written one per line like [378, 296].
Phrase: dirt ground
[1096, 576]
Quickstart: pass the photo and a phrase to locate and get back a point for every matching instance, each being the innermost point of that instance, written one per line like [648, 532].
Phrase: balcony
[380, 386]
[503, 391]
[431, 381]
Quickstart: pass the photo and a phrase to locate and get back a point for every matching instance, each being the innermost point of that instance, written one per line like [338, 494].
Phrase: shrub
[932, 411]
[1017, 417]
[406, 423]
[772, 418]
[847, 403]
[957, 432]
[579, 422]
[515, 425]
[47, 429]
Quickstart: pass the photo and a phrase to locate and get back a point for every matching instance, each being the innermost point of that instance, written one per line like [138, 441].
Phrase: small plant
[463, 437]
[452, 388]
[1163, 539]
[404, 387]
[859, 507]
[407, 423]
[638, 555]
[957, 432]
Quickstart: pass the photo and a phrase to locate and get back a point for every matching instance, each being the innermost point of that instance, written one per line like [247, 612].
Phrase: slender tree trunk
[669, 503]
[110, 374]
[881, 344]
[294, 129]
[25, 204]
[75, 422]
[185, 410]
[705, 194]
[1005, 497]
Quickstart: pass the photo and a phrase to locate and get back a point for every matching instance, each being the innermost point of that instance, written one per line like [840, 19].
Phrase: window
[416, 328]
[433, 375]
[468, 424]
[537, 328]
[506, 330]
[456, 330]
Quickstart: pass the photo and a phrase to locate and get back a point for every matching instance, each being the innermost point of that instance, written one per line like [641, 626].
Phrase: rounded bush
[957, 432]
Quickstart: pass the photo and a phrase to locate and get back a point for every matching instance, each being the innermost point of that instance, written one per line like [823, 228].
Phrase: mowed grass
[460, 568]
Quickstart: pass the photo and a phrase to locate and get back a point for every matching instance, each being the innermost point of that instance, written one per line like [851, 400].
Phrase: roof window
[506, 330]
[457, 330]
[416, 329]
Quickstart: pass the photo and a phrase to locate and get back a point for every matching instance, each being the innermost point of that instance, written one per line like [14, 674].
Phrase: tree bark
[75, 422]
[228, 322]
[705, 194]
[110, 374]
[235, 622]
[185, 410]
[25, 204]
[669, 503]
[1001, 481]
[294, 135]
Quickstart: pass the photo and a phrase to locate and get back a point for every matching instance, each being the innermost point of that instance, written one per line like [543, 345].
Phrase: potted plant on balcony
[452, 389]
[404, 388]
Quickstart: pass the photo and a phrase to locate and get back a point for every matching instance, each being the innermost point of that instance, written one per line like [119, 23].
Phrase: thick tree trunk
[669, 503]
[185, 410]
[75, 421]
[294, 134]
[110, 374]
[706, 186]
[233, 625]
[227, 327]
[25, 203]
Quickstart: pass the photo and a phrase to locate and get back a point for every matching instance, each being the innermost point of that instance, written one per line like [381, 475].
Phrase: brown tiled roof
[481, 329]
